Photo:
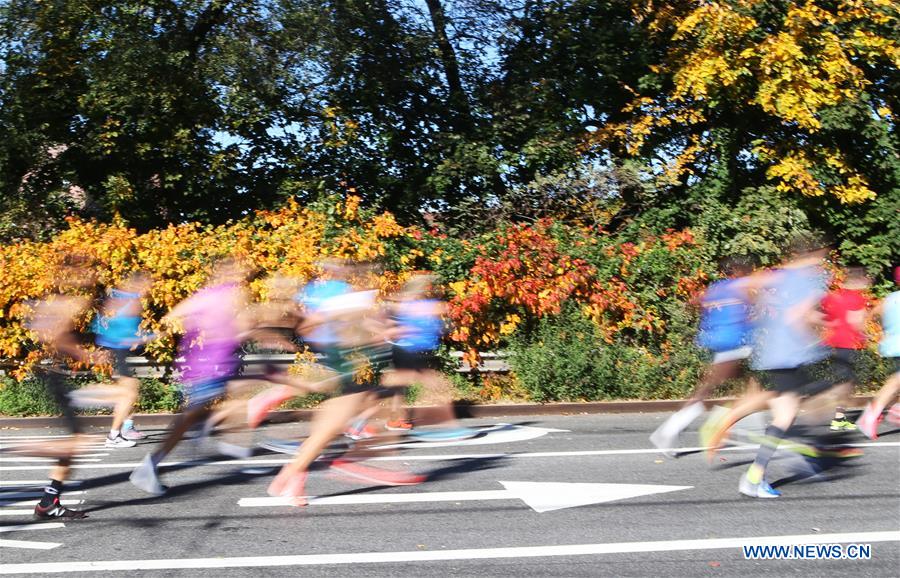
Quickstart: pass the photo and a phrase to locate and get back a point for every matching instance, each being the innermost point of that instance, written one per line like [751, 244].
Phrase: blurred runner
[845, 332]
[352, 333]
[214, 323]
[417, 332]
[117, 328]
[725, 331]
[54, 324]
[889, 311]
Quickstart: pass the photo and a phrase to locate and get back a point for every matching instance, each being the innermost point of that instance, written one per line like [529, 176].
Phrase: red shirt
[838, 331]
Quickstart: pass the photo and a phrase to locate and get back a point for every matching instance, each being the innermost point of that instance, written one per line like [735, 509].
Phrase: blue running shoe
[442, 435]
[760, 490]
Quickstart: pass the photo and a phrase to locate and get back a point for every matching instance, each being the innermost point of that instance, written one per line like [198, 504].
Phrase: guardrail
[256, 363]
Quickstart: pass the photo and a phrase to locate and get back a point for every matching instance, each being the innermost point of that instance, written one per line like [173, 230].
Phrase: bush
[567, 359]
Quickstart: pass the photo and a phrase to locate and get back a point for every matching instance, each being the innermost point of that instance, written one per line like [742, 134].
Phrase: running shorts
[404, 359]
[796, 380]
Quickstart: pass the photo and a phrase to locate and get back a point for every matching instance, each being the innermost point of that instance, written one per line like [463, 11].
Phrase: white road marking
[540, 496]
[41, 526]
[4, 512]
[11, 495]
[27, 544]
[7, 483]
[430, 457]
[33, 502]
[42, 460]
[45, 437]
[497, 434]
[444, 555]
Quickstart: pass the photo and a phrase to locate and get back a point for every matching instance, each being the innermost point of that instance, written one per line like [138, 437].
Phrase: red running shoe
[259, 406]
[376, 475]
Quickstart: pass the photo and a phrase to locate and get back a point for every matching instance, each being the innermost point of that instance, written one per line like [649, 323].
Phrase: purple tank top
[211, 341]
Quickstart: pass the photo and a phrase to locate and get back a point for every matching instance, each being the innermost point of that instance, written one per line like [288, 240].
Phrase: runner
[786, 345]
[53, 324]
[725, 331]
[417, 329]
[355, 333]
[117, 328]
[214, 323]
[889, 311]
[845, 319]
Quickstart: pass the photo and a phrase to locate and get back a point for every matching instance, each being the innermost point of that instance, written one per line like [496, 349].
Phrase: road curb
[462, 409]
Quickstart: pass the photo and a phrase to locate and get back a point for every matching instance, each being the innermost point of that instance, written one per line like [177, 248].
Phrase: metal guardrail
[256, 363]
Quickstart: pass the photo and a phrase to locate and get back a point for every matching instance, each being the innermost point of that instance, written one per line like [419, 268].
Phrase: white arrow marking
[500, 433]
[540, 496]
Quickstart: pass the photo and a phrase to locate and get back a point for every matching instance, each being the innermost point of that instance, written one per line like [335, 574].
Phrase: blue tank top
[724, 321]
[421, 330]
[118, 331]
[890, 321]
[313, 296]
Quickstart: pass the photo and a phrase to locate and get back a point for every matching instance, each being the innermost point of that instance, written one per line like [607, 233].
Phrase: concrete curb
[462, 410]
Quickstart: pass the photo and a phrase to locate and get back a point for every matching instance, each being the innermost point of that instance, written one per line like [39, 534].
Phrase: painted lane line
[41, 526]
[539, 496]
[28, 545]
[45, 437]
[19, 495]
[8, 483]
[42, 461]
[7, 512]
[34, 502]
[429, 457]
[445, 555]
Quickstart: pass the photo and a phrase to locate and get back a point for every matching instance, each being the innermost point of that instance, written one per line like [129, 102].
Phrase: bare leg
[750, 404]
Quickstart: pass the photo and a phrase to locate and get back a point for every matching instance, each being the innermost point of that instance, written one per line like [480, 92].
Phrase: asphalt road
[463, 521]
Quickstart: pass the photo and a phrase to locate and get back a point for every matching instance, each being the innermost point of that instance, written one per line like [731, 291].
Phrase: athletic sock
[767, 448]
[155, 458]
[683, 418]
[129, 424]
[51, 492]
[113, 434]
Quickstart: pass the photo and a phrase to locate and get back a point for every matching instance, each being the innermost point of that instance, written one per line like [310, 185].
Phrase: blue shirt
[782, 342]
[724, 323]
[421, 328]
[890, 322]
[313, 296]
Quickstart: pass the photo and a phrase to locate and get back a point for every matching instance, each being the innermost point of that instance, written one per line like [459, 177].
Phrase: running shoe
[664, 440]
[146, 478]
[133, 434]
[842, 424]
[760, 490]
[868, 423]
[289, 484]
[398, 425]
[56, 511]
[356, 434]
[259, 406]
[234, 451]
[893, 414]
[119, 442]
[376, 475]
[443, 435]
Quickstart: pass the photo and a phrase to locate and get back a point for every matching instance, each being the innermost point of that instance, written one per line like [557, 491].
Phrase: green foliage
[156, 395]
[566, 359]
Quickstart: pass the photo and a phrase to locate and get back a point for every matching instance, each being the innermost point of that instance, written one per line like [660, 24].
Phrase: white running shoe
[235, 451]
[119, 442]
[664, 441]
[145, 478]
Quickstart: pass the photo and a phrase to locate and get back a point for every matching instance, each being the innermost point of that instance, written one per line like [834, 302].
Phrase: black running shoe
[56, 511]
